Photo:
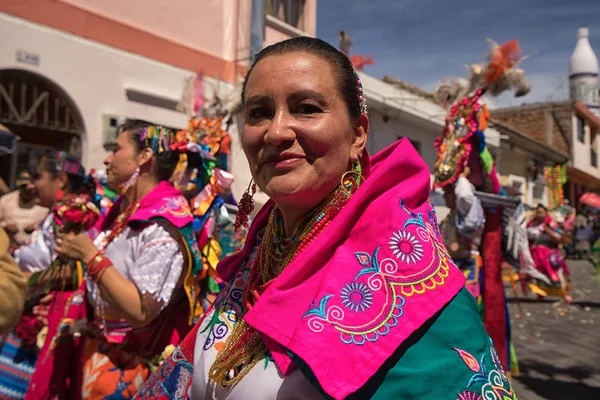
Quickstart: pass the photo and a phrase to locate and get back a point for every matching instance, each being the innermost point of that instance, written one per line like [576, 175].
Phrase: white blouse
[152, 258]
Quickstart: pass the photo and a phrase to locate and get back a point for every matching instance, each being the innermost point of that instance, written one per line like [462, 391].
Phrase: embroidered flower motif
[406, 247]
[468, 395]
[357, 296]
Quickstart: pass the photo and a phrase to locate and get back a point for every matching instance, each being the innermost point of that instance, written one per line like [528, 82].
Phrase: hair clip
[360, 94]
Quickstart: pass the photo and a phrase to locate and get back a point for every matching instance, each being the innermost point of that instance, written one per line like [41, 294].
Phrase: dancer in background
[462, 230]
[462, 146]
[545, 236]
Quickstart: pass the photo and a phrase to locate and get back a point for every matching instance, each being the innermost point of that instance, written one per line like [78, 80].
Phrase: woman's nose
[280, 129]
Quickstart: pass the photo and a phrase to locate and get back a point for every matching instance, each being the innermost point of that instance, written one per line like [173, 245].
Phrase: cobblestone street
[558, 345]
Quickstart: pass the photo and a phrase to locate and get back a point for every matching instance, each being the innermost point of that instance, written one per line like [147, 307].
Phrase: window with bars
[580, 129]
[594, 146]
[289, 11]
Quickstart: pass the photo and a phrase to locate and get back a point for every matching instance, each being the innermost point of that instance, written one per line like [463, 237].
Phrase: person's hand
[11, 228]
[466, 172]
[41, 310]
[76, 246]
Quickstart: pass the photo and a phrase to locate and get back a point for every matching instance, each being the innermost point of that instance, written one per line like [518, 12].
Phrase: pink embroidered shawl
[164, 201]
[375, 275]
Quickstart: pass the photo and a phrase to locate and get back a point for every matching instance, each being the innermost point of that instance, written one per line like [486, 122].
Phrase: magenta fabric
[164, 201]
[541, 256]
[52, 378]
[376, 274]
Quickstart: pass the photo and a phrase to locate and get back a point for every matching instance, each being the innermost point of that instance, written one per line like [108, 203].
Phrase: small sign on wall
[28, 57]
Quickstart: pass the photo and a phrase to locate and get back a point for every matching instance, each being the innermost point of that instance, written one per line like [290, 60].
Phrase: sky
[425, 41]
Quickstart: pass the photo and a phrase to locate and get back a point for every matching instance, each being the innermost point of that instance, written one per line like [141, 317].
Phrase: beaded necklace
[244, 348]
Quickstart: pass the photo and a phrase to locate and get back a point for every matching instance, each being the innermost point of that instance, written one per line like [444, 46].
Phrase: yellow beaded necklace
[244, 348]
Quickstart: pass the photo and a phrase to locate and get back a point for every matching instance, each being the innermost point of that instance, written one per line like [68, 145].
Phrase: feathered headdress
[467, 118]
[499, 74]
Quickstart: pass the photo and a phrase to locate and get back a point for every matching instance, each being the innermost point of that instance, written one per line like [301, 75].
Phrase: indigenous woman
[139, 277]
[544, 238]
[58, 177]
[344, 286]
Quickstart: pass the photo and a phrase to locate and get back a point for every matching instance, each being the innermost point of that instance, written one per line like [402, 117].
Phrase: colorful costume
[203, 177]
[462, 231]
[462, 144]
[548, 258]
[368, 307]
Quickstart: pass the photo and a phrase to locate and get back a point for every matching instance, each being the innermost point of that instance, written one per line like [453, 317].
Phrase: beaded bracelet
[97, 267]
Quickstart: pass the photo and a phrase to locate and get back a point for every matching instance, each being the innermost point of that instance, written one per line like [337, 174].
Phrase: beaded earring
[124, 187]
[245, 206]
[60, 195]
[351, 180]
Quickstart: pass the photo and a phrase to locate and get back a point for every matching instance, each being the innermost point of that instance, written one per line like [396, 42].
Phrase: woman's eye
[308, 109]
[258, 113]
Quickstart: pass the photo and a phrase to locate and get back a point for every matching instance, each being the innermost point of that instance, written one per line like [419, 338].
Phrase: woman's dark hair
[340, 64]
[51, 163]
[541, 207]
[165, 161]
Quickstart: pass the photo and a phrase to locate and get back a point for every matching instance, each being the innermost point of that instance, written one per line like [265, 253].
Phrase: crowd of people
[345, 286]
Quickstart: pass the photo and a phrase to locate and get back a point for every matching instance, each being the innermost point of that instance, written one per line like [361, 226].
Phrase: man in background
[19, 213]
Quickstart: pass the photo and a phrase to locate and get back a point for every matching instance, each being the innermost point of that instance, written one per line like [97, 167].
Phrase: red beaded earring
[60, 195]
[246, 206]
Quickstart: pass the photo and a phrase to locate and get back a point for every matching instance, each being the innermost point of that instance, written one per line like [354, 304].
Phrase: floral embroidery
[381, 282]
[225, 313]
[176, 206]
[357, 296]
[495, 383]
[468, 395]
[228, 307]
[406, 247]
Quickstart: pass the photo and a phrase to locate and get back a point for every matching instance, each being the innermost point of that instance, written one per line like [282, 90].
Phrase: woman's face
[540, 214]
[297, 133]
[47, 186]
[122, 163]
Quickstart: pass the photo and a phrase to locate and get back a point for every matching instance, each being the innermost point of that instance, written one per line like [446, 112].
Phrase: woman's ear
[63, 180]
[361, 134]
[144, 156]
